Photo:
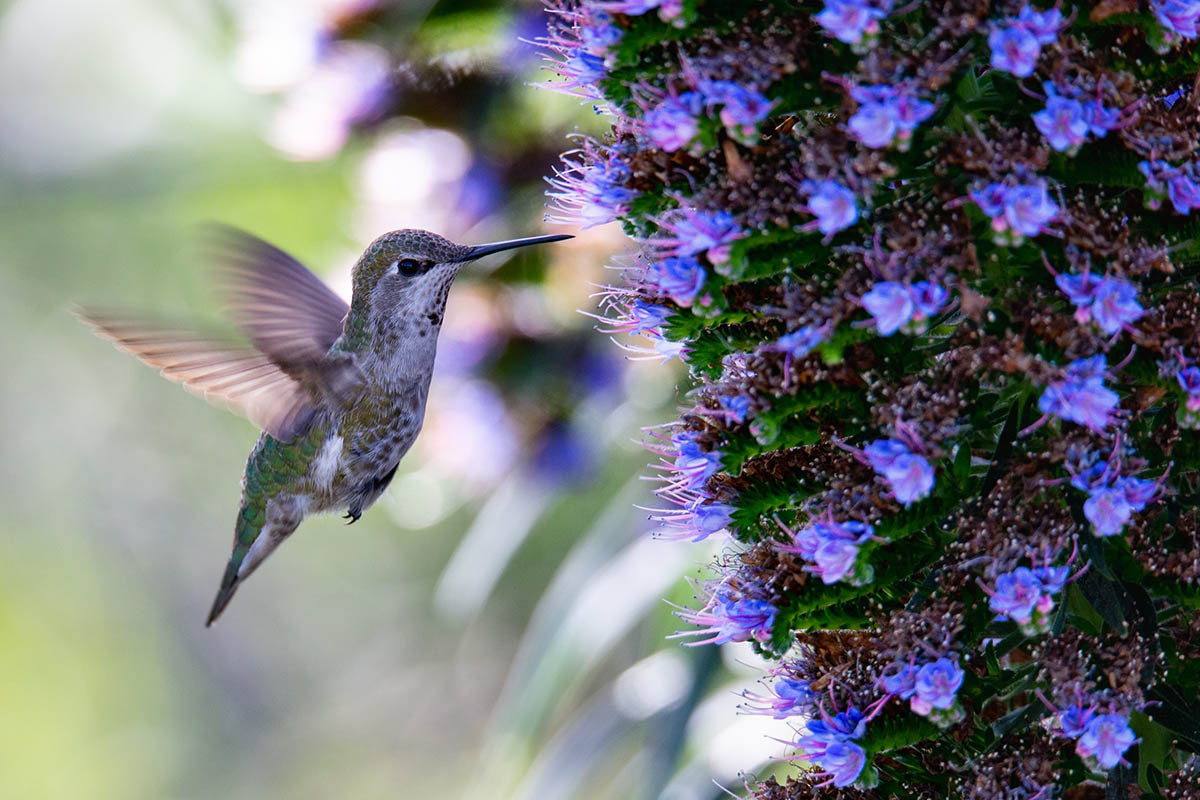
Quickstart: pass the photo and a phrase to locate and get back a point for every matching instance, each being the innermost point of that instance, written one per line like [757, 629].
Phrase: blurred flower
[833, 205]
[1104, 741]
[851, 21]
[1180, 18]
[351, 85]
[887, 115]
[673, 122]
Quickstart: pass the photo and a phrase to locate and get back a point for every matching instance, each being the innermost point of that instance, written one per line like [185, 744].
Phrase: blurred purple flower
[850, 20]
[730, 619]
[672, 123]
[1105, 740]
[789, 698]
[937, 686]
[1082, 397]
[1180, 18]
[902, 683]
[887, 115]
[1062, 123]
[592, 189]
[1014, 50]
[682, 278]
[1016, 594]
[833, 205]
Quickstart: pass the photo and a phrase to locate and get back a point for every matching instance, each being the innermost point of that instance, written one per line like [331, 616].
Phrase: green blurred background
[494, 626]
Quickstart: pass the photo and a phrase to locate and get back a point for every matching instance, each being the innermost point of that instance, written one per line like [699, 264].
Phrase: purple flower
[710, 518]
[881, 454]
[647, 316]
[928, 298]
[887, 115]
[691, 232]
[1180, 18]
[1138, 492]
[936, 687]
[736, 406]
[591, 191]
[1044, 25]
[1016, 594]
[682, 278]
[800, 343]
[873, 125]
[1080, 289]
[790, 697]
[843, 762]
[990, 198]
[828, 745]
[1108, 510]
[1014, 50]
[673, 123]
[1074, 719]
[1183, 193]
[910, 477]
[1105, 740]
[1189, 380]
[1027, 208]
[834, 207]
[1115, 305]
[850, 20]
[832, 546]
[1062, 122]
[743, 108]
[730, 619]
[1088, 403]
[1100, 119]
[891, 305]
[902, 683]
[693, 465]
[1052, 578]
[631, 8]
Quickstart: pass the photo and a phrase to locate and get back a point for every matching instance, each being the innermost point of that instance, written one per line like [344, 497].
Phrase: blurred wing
[286, 311]
[221, 372]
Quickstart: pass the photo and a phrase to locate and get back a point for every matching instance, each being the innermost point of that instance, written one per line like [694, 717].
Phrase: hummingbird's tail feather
[229, 586]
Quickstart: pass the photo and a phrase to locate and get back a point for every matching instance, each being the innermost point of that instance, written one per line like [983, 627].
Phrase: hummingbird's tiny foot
[352, 516]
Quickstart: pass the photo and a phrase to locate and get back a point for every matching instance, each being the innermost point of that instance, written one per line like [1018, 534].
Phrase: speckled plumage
[339, 390]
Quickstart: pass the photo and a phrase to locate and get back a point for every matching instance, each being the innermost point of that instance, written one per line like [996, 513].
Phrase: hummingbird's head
[405, 275]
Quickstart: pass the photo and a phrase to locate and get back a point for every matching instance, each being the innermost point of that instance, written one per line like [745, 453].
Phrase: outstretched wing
[285, 310]
[220, 371]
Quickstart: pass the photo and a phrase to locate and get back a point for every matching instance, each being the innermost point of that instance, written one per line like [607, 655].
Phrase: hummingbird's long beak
[496, 247]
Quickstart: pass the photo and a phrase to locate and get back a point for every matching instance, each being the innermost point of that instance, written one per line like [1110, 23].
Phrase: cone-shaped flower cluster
[933, 269]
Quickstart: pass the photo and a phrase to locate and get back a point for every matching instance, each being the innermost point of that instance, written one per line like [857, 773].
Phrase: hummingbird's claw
[353, 516]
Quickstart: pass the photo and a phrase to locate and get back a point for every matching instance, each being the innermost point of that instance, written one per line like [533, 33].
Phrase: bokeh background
[495, 626]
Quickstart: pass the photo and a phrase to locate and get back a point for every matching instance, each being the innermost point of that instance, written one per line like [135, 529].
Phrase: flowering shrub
[944, 336]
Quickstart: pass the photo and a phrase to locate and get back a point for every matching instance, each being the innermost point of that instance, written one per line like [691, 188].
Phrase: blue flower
[1044, 25]
[591, 191]
[710, 518]
[990, 198]
[843, 762]
[1027, 208]
[1087, 402]
[887, 115]
[673, 123]
[1014, 50]
[1100, 119]
[729, 618]
[1079, 289]
[908, 475]
[1115, 305]
[1104, 741]
[1016, 594]
[890, 304]
[800, 343]
[737, 407]
[937, 686]
[1184, 193]
[1108, 509]
[850, 20]
[831, 546]
[1181, 18]
[743, 108]
[833, 205]
[1074, 720]
[682, 278]
[828, 745]
[1062, 122]
[902, 683]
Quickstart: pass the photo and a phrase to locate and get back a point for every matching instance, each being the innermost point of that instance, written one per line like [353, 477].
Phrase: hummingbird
[338, 390]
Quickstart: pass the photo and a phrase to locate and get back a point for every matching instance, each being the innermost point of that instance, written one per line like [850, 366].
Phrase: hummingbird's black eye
[410, 266]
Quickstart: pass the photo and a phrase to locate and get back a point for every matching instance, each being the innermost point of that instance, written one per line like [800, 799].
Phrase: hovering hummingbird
[339, 391]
